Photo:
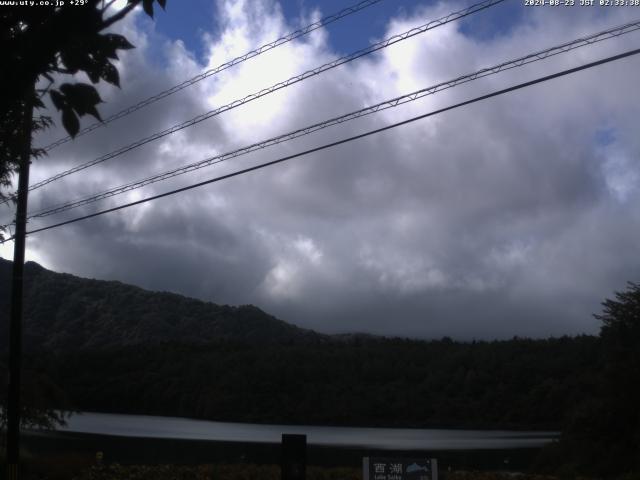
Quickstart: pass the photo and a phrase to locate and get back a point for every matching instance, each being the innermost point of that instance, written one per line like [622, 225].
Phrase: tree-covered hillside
[106, 346]
[516, 384]
[64, 312]
[118, 348]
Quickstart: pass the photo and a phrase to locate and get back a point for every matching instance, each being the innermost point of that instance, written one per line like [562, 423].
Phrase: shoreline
[376, 438]
[156, 451]
[546, 429]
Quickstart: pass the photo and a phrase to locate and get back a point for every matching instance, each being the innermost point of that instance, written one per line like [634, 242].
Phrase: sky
[512, 216]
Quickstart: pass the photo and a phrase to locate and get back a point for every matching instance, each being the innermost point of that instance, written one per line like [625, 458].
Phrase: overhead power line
[278, 86]
[518, 62]
[343, 141]
[213, 71]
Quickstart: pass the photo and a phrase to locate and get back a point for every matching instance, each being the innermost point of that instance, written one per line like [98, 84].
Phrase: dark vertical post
[294, 457]
[15, 325]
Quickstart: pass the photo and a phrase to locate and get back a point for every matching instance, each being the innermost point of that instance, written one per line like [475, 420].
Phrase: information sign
[387, 468]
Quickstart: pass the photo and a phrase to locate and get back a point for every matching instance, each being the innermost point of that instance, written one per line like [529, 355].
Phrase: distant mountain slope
[111, 347]
[64, 312]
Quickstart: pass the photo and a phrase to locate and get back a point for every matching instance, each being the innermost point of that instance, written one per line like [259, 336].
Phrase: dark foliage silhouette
[40, 45]
[602, 432]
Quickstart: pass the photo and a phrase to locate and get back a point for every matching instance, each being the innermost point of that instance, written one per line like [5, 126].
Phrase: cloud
[507, 217]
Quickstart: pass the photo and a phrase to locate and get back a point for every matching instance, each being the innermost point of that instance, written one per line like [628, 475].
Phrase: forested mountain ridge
[63, 312]
[368, 382]
[165, 354]
[107, 346]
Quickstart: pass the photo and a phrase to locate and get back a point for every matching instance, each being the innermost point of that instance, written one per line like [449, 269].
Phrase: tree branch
[120, 15]
[43, 91]
[105, 8]
[61, 70]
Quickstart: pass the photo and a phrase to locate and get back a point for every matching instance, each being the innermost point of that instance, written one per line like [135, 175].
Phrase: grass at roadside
[210, 472]
[62, 471]
[263, 472]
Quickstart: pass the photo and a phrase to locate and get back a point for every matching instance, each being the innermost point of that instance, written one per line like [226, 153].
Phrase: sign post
[294, 457]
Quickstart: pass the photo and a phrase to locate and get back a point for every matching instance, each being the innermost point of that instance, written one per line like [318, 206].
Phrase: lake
[143, 426]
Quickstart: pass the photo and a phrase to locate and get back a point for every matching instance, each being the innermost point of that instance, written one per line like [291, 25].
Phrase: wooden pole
[17, 282]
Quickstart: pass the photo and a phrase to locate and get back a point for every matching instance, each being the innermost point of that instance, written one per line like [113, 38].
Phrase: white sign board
[389, 468]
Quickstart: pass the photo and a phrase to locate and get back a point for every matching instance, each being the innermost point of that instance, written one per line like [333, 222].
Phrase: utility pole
[17, 282]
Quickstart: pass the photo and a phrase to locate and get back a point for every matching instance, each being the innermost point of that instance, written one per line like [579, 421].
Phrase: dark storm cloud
[510, 217]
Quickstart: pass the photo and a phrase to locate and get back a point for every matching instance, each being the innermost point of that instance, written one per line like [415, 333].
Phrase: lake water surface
[374, 438]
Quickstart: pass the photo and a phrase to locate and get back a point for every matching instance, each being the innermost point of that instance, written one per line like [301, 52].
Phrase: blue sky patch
[346, 35]
[605, 136]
